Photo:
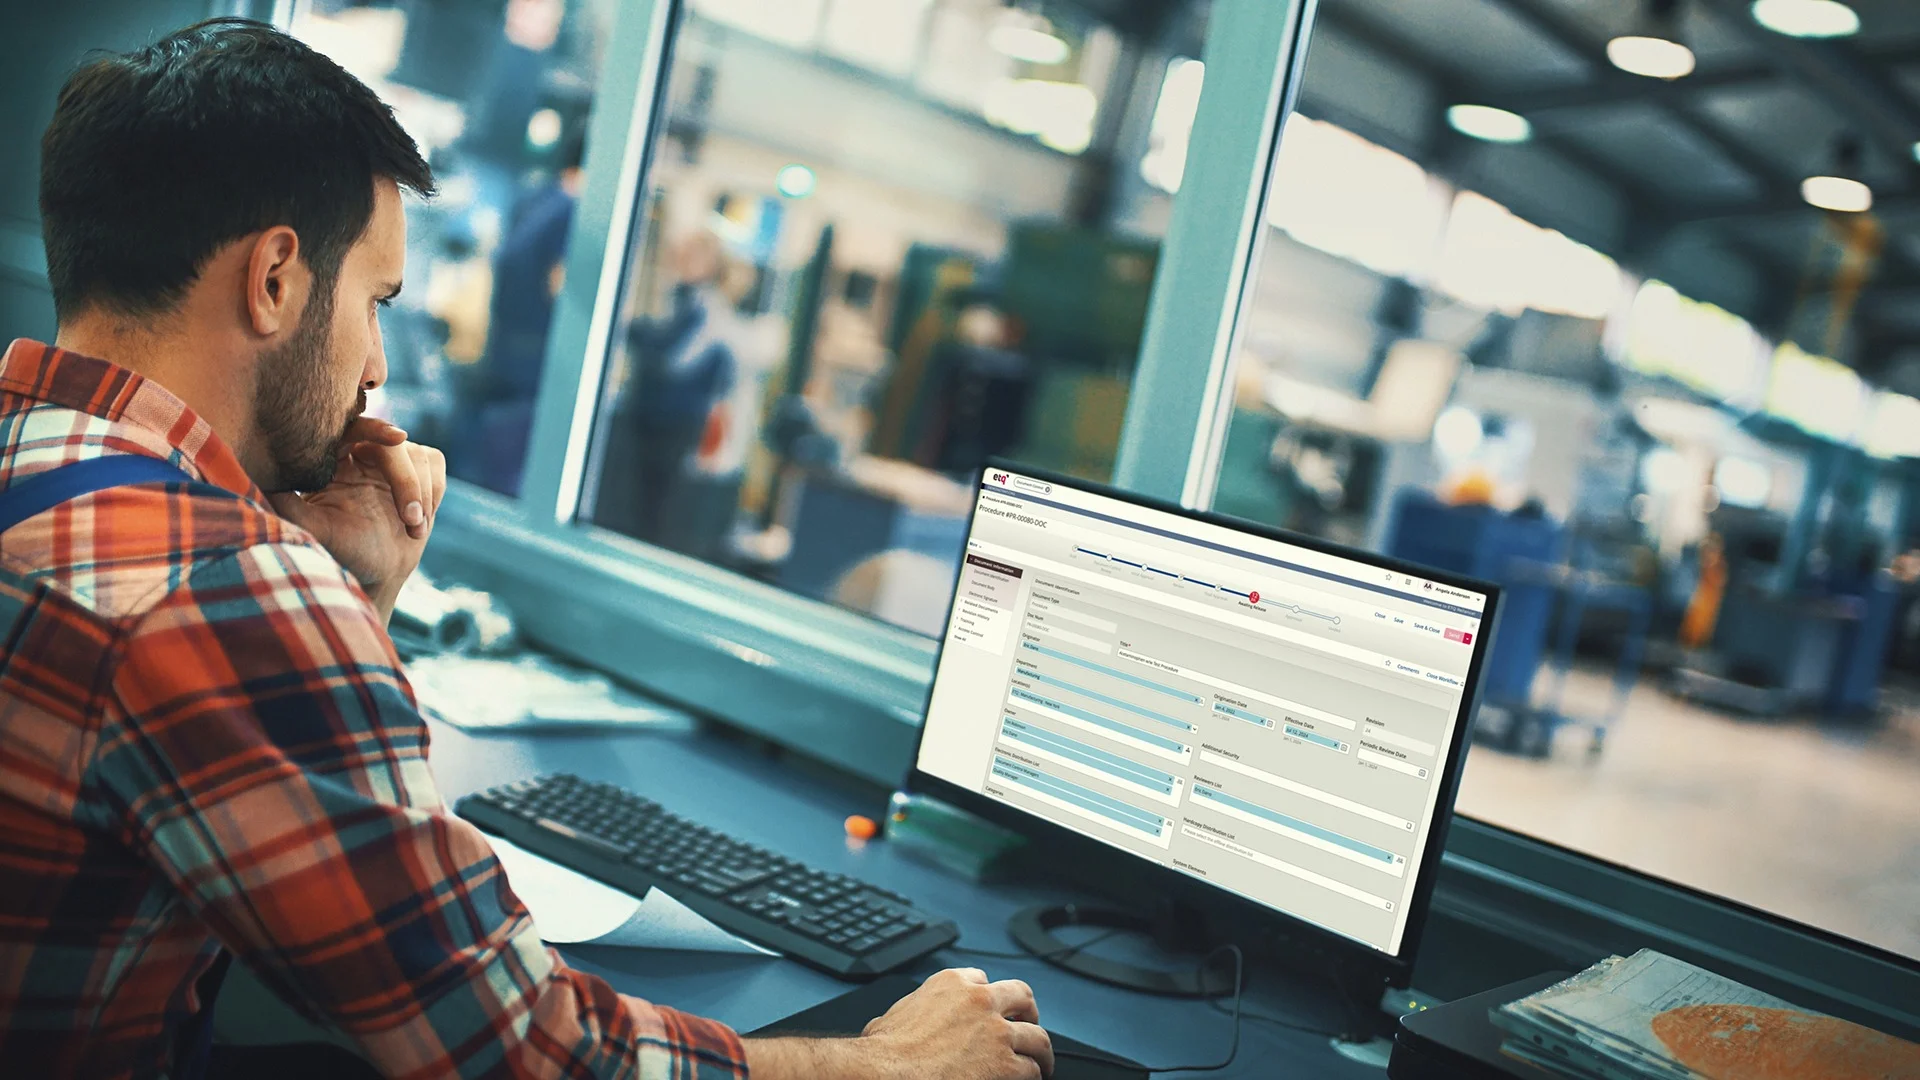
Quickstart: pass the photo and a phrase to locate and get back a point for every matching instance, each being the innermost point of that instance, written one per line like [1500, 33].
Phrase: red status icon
[1254, 596]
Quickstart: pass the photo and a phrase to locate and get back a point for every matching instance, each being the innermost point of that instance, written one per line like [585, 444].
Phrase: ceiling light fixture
[1807, 18]
[1841, 194]
[1653, 48]
[795, 181]
[1488, 124]
[1840, 190]
[1032, 41]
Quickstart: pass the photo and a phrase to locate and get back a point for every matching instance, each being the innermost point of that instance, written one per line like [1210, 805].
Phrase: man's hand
[377, 514]
[956, 1026]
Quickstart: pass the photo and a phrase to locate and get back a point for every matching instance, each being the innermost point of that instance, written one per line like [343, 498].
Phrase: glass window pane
[876, 250]
[1527, 317]
[497, 93]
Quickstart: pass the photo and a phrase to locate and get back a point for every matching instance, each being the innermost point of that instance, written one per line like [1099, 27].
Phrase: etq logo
[1000, 478]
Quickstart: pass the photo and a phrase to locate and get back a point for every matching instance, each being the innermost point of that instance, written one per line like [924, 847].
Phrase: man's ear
[277, 281]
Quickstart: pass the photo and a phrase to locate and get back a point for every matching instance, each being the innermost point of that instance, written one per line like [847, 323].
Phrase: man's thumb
[290, 506]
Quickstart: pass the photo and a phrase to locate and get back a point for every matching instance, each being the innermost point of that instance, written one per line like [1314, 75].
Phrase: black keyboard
[836, 923]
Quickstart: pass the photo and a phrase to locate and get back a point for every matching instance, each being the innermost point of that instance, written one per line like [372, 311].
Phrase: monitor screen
[1270, 718]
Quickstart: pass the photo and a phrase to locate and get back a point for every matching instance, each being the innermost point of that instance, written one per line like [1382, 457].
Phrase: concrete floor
[1821, 825]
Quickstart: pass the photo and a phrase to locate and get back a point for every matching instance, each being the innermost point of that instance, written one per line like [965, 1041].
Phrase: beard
[295, 403]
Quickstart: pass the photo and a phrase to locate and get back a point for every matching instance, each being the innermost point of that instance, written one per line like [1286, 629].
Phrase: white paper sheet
[570, 908]
[530, 694]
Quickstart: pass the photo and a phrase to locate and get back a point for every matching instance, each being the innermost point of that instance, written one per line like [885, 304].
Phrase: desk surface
[732, 788]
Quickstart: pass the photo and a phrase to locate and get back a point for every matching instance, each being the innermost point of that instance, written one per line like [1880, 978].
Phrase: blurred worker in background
[528, 271]
[683, 369]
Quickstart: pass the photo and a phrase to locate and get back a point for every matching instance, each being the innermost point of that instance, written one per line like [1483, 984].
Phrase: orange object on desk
[861, 827]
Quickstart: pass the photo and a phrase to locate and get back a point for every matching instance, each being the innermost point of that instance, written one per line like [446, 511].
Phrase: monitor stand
[1172, 927]
[1033, 930]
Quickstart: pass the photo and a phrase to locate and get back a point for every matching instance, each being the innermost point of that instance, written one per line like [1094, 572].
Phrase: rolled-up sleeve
[263, 751]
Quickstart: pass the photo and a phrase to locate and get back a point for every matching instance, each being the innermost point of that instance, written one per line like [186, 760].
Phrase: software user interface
[1272, 719]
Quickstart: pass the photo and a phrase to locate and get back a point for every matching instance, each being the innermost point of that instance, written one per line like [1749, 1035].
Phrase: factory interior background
[1641, 345]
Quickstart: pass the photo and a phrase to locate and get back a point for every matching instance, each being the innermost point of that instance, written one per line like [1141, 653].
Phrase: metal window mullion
[619, 144]
[1178, 411]
[276, 13]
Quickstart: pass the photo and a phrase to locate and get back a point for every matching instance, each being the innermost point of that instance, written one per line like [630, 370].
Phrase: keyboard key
[742, 876]
[712, 884]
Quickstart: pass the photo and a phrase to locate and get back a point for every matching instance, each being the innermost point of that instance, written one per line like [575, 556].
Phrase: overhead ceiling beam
[1845, 84]
[1785, 205]
[1553, 25]
[1860, 92]
[1763, 171]
[1758, 168]
[1612, 88]
[1652, 213]
[1448, 90]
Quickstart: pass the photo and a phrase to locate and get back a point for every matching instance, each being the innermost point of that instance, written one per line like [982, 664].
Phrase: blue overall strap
[193, 1041]
[44, 491]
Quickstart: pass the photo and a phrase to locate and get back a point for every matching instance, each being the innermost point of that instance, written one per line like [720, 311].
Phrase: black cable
[1277, 1021]
[1233, 1049]
[1357, 1011]
[1353, 1010]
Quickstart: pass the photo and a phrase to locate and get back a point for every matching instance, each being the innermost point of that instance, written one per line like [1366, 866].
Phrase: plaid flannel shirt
[205, 740]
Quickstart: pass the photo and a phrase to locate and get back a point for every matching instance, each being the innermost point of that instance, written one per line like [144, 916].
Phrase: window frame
[533, 549]
[847, 690]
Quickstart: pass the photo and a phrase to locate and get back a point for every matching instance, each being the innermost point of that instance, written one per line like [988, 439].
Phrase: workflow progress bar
[1082, 801]
[1084, 757]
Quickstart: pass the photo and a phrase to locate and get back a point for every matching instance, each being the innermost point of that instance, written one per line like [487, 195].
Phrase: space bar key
[604, 847]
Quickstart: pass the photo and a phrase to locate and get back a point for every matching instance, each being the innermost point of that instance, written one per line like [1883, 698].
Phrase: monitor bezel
[1229, 909]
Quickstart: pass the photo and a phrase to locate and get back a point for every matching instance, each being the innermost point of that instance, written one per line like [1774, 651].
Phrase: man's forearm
[813, 1059]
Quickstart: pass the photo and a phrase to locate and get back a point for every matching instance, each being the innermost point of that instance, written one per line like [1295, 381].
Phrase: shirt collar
[100, 388]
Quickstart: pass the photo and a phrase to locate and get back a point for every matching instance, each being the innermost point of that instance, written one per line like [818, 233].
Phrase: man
[206, 741]
[528, 272]
[684, 365]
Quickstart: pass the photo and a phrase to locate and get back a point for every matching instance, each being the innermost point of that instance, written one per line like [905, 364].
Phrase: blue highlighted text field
[1093, 721]
[1116, 673]
[1083, 802]
[1304, 831]
[1092, 761]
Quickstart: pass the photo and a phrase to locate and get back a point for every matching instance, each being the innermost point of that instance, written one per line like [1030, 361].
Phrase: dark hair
[157, 158]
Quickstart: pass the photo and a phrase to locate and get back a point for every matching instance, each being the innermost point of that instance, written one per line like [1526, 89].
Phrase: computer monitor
[1266, 725]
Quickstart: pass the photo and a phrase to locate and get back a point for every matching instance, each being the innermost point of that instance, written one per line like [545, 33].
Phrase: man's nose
[374, 374]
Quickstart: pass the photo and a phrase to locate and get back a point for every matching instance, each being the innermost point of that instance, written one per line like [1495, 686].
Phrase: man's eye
[385, 301]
